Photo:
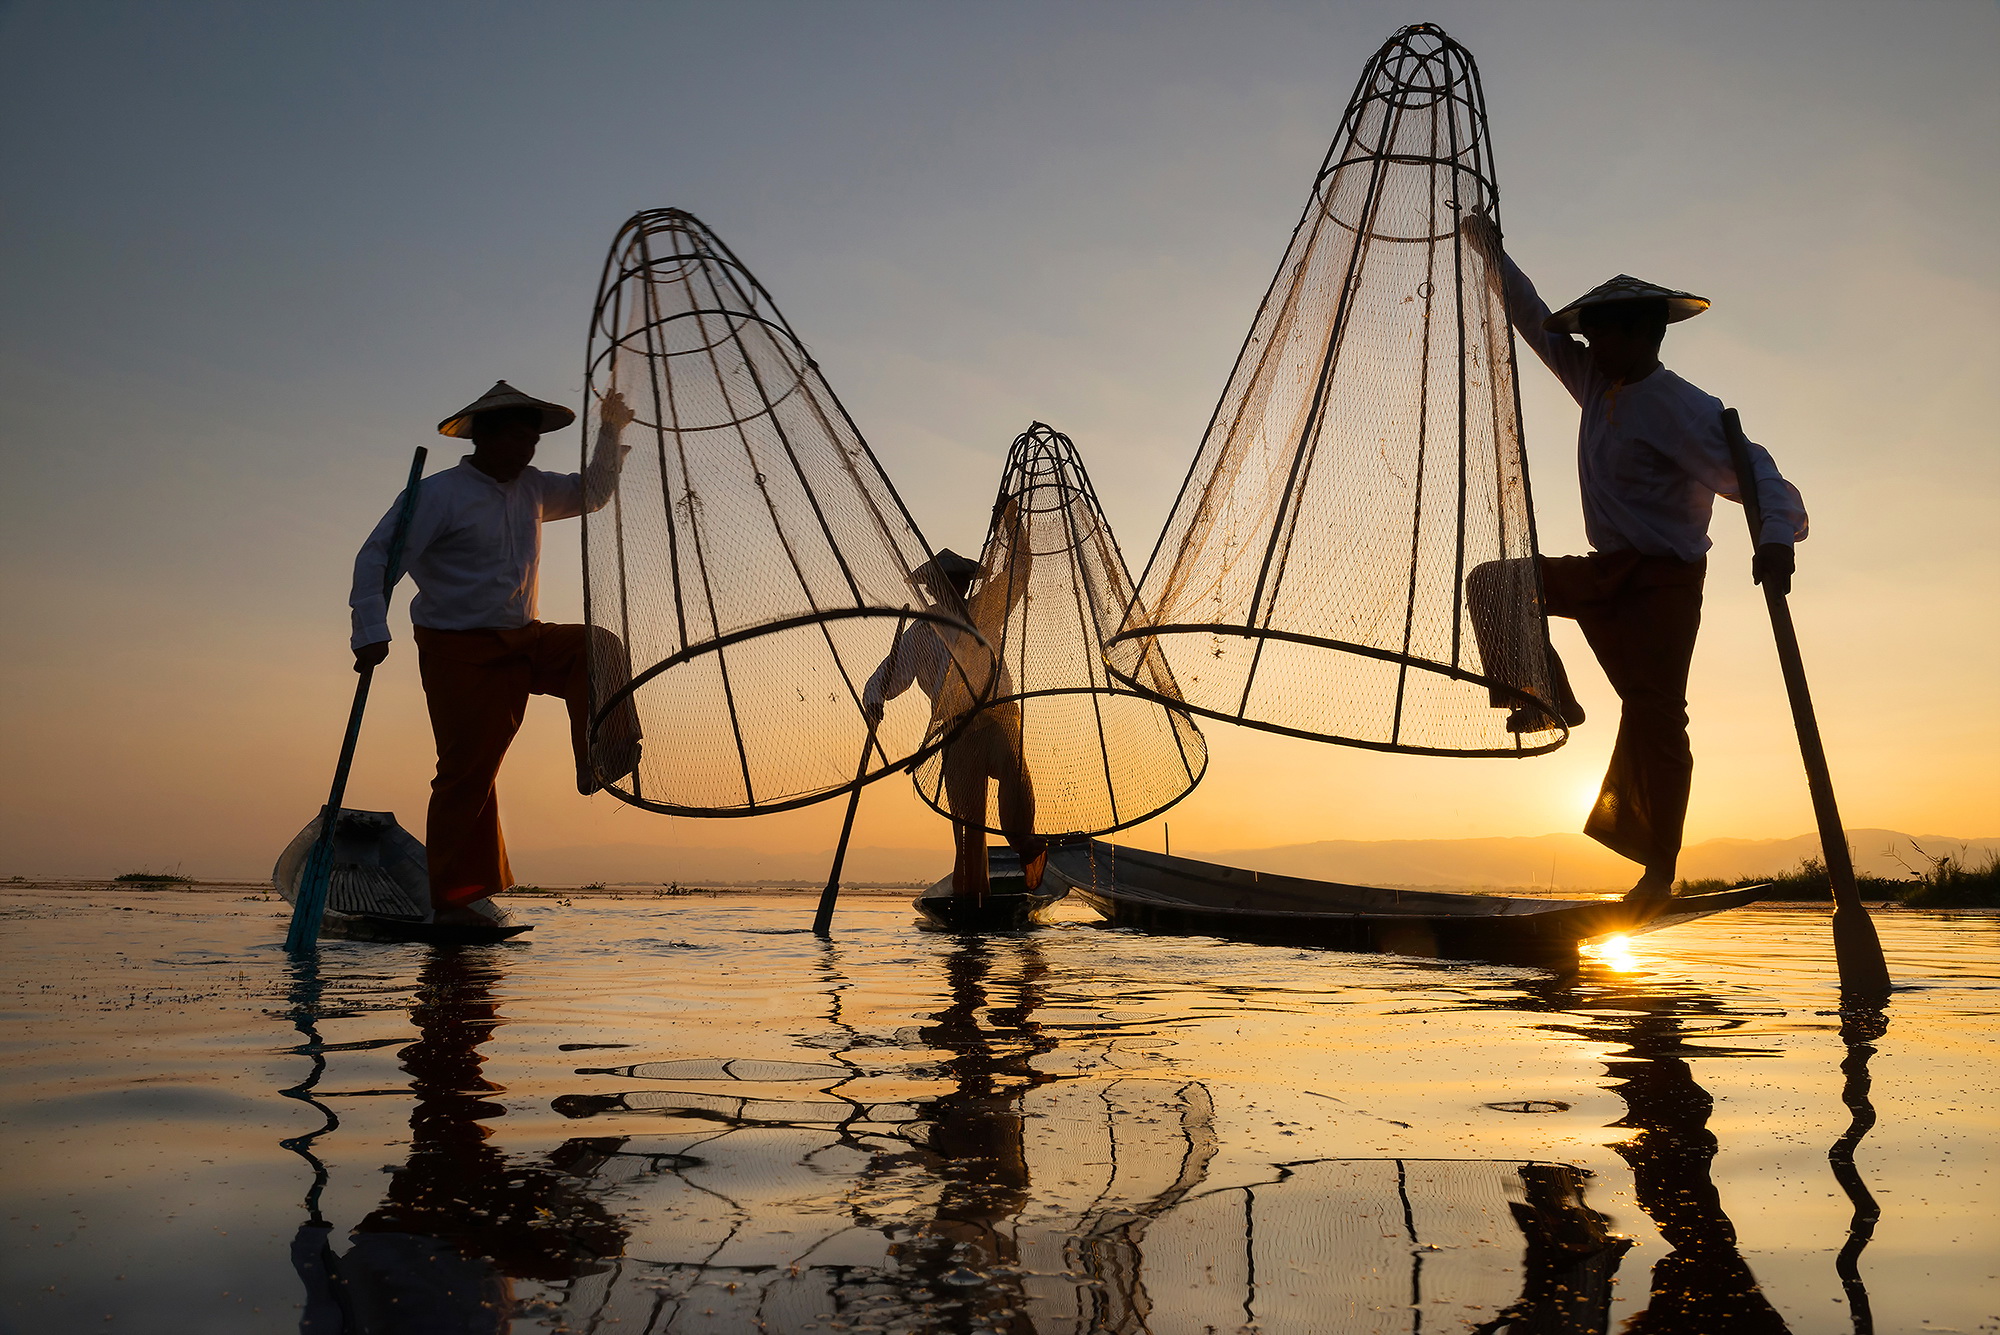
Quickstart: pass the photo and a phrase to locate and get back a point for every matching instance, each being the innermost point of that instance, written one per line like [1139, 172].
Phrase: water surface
[691, 1116]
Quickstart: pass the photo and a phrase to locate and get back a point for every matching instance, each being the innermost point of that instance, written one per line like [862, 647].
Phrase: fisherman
[1652, 457]
[474, 549]
[989, 748]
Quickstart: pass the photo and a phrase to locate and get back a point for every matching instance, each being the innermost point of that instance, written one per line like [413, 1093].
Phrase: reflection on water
[1860, 1026]
[943, 1213]
[459, 1221]
[1349, 1238]
[1065, 1132]
[1703, 1283]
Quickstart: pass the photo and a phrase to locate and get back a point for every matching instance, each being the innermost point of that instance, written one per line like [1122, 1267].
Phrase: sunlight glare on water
[691, 1115]
[1614, 952]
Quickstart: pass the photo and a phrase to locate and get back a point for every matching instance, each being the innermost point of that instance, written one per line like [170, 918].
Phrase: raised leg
[564, 657]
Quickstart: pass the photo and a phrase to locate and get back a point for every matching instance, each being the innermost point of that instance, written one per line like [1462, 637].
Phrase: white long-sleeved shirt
[1651, 455]
[475, 544]
[922, 655]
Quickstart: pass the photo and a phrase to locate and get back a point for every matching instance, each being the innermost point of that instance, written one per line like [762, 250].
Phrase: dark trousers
[477, 684]
[988, 751]
[1640, 615]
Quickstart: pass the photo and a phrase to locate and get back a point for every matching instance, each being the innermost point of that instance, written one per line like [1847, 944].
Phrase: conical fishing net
[753, 564]
[1062, 749]
[1349, 556]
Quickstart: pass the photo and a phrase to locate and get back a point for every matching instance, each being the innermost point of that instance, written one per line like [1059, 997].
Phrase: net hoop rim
[613, 344]
[634, 269]
[1347, 647]
[862, 780]
[1070, 836]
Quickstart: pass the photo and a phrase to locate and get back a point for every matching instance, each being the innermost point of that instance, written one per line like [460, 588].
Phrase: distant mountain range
[1566, 861]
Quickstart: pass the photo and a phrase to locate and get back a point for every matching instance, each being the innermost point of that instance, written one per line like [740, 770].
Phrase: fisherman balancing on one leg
[1652, 457]
[989, 750]
[474, 549]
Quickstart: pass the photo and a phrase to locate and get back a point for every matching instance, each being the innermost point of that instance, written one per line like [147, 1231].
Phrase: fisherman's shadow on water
[1025, 1188]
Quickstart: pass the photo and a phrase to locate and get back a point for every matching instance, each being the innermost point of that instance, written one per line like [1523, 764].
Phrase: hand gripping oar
[310, 904]
[1864, 974]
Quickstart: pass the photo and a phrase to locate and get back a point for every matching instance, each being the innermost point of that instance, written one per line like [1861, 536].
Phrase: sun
[1584, 797]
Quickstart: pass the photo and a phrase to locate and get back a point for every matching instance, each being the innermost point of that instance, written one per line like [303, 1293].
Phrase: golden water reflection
[1025, 1186]
[1019, 1199]
[1615, 953]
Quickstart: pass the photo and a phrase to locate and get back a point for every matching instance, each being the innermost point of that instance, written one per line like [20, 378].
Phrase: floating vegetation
[1936, 881]
[1944, 881]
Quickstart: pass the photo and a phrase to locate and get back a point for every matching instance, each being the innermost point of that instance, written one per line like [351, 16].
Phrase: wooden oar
[310, 904]
[823, 919]
[1864, 974]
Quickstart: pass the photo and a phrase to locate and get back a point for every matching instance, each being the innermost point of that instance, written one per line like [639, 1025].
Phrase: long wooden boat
[380, 888]
[1158, 892]
[1009, 906]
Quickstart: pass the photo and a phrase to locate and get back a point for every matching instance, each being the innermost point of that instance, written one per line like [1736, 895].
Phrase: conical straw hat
[503, 395]
[951, 565]
[1680, 305]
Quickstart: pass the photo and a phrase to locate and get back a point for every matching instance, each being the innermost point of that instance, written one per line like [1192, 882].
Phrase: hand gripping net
[753, 564]
[1357, 524]
[1073, 751]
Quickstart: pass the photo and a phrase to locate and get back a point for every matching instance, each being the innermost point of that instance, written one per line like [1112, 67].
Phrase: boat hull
[379, 888]
[1009, 906]
[1179, 896]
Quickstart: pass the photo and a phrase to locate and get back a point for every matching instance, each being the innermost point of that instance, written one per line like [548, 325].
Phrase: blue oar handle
[310, 904]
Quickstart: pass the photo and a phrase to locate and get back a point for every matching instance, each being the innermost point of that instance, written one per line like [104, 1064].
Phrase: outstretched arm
[607, 460]
[1001, 591]
[897, 671]
[566, 495]
[1566, 356]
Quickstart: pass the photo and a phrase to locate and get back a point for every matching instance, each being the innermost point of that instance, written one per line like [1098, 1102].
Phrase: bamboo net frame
[752, 563]
[1351, 557]
[1093, 755]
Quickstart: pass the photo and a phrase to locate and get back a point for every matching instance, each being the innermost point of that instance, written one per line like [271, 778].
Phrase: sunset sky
[252, 253]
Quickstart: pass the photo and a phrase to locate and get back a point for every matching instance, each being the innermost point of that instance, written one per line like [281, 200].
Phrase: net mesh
[1349, 557]
[1072, 750]
[751, 563]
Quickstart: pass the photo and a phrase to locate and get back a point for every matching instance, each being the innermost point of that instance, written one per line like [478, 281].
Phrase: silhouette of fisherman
[1651, 457]
[474, 548]
[989, 749]
[459, 1221]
